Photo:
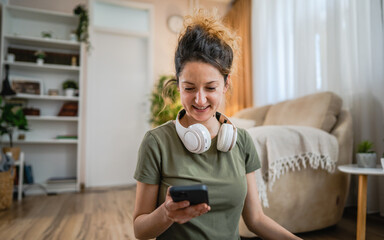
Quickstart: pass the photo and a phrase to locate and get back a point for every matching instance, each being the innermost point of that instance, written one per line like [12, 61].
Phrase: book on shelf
[27, 176]
[55, 185]
[61, 180]
[66, 137]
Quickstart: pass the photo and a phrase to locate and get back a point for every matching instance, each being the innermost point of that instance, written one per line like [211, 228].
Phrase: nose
[201, 98]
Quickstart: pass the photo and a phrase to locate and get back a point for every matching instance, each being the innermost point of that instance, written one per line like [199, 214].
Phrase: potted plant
[40, 56]
[164, 109]
[11, 118]
[46, 34]
[69, 87]
[366, 157]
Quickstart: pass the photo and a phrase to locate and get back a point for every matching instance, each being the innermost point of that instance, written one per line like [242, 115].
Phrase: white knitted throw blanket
[291, 148]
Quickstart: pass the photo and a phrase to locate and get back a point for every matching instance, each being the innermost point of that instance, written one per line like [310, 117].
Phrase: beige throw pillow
[319, 110]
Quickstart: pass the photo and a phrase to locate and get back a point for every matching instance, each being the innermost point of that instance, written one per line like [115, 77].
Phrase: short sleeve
[252, 162]
[148, 166]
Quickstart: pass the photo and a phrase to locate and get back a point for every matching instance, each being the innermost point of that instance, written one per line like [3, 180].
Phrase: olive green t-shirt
[164, 160]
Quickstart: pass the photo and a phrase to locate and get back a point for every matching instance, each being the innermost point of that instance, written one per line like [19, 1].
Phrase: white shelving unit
[21, 28]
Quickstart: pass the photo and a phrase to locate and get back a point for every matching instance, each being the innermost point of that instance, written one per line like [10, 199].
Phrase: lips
[200, 108]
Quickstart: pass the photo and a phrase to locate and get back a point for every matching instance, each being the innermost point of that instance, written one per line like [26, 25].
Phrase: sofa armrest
[343, 131]
[255, 113]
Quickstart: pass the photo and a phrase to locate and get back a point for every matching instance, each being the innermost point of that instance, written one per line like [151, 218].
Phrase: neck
[212, 124]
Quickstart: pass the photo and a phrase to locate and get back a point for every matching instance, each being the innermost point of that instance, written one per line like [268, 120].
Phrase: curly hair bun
[205, 38]
[212, 24]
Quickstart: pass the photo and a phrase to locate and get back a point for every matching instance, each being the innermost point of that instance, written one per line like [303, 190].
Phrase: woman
[225, 161]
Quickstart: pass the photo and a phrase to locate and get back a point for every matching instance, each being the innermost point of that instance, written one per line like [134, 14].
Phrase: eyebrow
[215, 81]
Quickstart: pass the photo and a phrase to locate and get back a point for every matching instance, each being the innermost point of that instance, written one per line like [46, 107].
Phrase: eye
[188, 89]
[211, 88]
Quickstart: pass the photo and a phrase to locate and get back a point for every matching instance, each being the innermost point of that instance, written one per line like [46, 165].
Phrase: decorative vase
[73, 37]
[69, 92]
[366, 160]
[11, 57]
[40, 61]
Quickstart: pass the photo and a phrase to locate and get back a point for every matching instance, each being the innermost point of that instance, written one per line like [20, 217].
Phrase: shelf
[45, 188]
[45, 97]
[43, 42]
[34, 66]
[47, 141]
[51, 118]
[51, 156]
[24, 12]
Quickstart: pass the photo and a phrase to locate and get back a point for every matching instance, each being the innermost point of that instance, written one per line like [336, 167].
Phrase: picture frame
[26, 85]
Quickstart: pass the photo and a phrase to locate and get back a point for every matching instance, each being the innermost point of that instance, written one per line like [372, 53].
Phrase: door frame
[83, 171]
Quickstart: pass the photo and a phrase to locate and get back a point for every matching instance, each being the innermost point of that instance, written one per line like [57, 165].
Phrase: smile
[200, 108]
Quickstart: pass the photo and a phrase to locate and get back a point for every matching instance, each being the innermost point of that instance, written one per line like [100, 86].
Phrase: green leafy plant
[40, 54]
[365, 147]
[164, 109]
[82, 27]
[46, 34]
[70, 84]
[11, 117]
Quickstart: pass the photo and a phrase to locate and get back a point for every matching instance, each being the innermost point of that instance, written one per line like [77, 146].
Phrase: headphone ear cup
[197, 139]
[225, 137]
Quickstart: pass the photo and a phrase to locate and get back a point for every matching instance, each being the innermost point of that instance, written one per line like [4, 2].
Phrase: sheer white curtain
[300, 47]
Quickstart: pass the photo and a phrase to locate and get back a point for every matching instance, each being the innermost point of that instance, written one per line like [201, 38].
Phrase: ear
[227, 83]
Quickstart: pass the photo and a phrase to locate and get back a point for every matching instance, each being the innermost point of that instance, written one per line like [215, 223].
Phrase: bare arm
[256, 220]
[150, 222]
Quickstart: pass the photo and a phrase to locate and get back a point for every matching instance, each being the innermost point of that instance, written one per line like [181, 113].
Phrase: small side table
[362, 194]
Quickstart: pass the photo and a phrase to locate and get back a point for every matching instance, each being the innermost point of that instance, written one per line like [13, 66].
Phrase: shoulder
[244, 141]
[158, 133]
[243, 137]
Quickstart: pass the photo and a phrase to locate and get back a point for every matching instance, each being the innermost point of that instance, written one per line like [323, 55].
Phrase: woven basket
[6, 189]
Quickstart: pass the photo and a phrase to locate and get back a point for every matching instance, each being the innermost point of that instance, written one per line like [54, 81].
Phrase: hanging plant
[82, 28]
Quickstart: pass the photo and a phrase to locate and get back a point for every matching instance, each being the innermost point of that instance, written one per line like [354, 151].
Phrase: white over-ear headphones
[196, 138]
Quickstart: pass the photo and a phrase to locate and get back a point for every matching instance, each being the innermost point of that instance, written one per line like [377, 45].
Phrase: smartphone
[195, 194]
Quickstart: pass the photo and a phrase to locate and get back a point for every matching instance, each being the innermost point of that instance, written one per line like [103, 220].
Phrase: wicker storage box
[6, 189]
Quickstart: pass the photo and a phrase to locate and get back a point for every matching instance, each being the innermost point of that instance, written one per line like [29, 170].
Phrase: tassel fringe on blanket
[284, 149]
[293, 163]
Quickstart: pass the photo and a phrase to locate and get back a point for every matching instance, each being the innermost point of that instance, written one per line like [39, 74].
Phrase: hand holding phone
[195, 194]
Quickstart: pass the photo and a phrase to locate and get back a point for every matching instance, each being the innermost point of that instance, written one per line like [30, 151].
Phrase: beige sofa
[308, 199]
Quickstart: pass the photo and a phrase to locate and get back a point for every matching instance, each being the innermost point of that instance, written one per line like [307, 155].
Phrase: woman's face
[201, 88]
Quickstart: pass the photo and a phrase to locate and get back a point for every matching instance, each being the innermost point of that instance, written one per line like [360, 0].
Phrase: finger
[168, 194]
[196, 210]
[173, 206]
[203, 207]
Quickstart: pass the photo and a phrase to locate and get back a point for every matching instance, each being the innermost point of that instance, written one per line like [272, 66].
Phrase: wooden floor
[107, 214]
[98, 214]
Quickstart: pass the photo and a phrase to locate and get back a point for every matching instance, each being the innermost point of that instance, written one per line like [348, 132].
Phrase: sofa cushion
[255, 113]
[318, 110]
[242, 122]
